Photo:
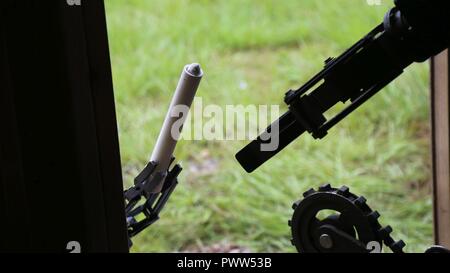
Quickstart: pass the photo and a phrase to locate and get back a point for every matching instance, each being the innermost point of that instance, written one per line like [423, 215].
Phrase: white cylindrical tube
[173, 124]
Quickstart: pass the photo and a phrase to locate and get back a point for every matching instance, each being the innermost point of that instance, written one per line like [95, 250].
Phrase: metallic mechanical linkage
[140, 216]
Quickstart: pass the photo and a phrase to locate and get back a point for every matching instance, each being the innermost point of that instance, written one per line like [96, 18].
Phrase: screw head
[326, 241]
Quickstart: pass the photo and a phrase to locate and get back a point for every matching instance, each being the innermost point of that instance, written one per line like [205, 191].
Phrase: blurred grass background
[252, 52]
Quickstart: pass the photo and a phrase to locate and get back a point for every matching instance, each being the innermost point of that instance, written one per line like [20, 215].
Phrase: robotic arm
[412, 31]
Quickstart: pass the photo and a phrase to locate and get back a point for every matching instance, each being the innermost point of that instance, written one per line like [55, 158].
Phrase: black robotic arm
[412, 31]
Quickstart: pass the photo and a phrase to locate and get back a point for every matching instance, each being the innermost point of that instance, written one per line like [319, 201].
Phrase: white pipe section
[173, 124]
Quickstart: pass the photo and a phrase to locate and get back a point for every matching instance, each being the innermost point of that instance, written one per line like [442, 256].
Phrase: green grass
[381, 151]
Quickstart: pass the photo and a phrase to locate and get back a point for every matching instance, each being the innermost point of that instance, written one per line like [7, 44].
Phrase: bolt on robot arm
[412, 31]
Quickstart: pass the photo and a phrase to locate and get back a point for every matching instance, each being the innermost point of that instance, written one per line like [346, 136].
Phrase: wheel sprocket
[351, 219]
